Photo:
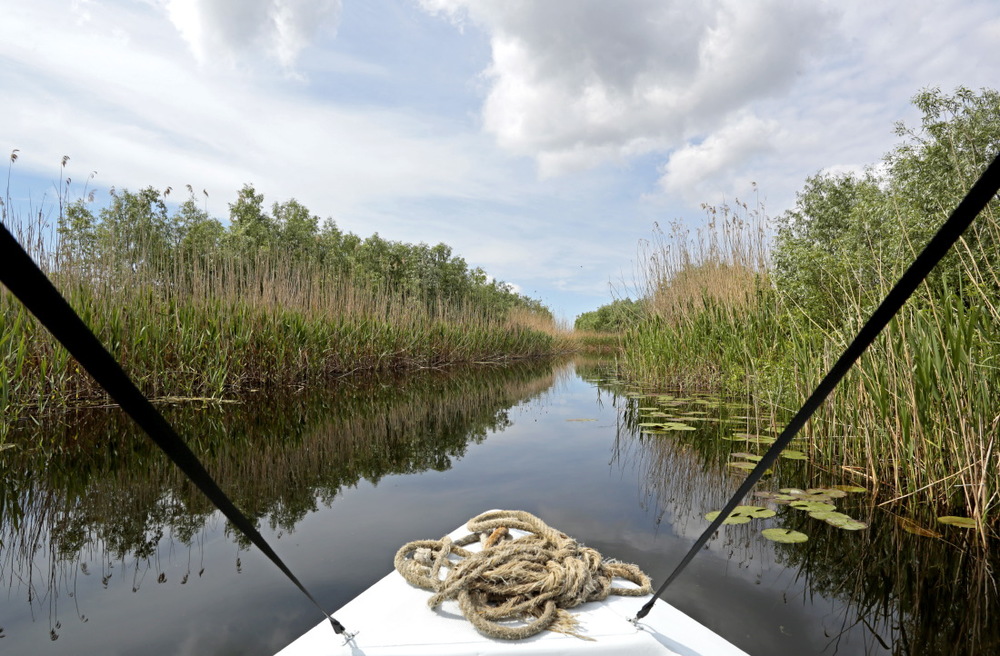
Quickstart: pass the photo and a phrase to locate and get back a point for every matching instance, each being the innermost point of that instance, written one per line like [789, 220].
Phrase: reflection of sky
[543, 463]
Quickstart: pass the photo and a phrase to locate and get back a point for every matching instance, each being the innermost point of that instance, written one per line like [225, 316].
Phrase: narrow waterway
[106, 549]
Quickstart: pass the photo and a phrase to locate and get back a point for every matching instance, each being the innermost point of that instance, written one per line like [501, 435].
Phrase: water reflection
[339, 478]
[87, 495]
[902, 593]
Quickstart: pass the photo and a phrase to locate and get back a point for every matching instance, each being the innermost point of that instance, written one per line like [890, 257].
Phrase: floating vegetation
[747, 456]
[676, 426]
[742, 514]
[791, 454]
[742, 464]
[813, 506]
[784, 535]
[849, 488]
[961, 522]
[776, 497]
[911, 526]
[839, 520]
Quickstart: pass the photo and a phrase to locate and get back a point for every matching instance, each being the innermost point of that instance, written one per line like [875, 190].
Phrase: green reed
[191, 325]
[916, 419]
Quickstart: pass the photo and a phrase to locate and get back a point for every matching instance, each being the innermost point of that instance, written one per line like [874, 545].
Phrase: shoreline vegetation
[762, 308]
[195, 308]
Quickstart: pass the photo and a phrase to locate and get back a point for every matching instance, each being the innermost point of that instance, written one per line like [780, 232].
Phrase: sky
[543, 141]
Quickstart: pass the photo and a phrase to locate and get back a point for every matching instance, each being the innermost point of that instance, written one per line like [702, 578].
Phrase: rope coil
[515, 587]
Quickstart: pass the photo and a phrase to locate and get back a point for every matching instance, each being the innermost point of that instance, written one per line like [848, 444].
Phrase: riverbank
[750, 306]
[193, 309]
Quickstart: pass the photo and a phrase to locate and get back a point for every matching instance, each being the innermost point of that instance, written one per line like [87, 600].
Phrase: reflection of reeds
[106, 494]
[915, 595]
[904, 593]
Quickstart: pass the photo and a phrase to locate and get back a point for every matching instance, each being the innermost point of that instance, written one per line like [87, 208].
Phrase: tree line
[138, 231]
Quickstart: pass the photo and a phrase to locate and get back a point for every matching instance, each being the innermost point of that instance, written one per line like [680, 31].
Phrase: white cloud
[708, 170]
[577, 83]
[230, 31]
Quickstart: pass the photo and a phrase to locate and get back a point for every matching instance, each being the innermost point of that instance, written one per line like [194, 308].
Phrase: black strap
[23, 277]
[973, 203]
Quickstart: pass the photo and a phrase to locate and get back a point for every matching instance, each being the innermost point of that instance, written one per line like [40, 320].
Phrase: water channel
[107, 550]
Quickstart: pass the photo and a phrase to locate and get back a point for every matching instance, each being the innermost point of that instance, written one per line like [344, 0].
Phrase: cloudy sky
[541, 140]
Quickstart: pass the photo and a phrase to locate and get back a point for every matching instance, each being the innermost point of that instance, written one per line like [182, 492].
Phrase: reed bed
[747, 305]
[197, 325]
[917, 419]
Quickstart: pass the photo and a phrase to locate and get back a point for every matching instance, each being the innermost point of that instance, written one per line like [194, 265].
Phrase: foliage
[917, 414]
[611, 318]
[193, 307]
[848, 235]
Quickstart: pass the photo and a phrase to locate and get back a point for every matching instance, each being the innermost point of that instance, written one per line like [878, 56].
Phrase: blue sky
[541, 140]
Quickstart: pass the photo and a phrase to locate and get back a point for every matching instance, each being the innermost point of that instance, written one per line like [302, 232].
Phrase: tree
[851, 236]
[297, 230]
[251, 230]
[135, 230]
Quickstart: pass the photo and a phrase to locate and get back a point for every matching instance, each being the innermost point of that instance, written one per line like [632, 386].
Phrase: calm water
[106, 550]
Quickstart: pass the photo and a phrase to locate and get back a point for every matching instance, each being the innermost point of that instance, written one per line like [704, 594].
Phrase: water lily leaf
[849, 488]
[732, 519]
[757, 512]
[776, 497]
[773, 496]
[742, 514]
[832, 492]
[812, 506]
[791, 454]
[912, 527]
[840, 520]
[742, 464]
[784, 535]
[677, 426]
[752, 457]
[791, 490]
[961, 522]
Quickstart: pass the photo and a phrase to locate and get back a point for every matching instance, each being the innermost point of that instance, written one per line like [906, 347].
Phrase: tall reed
[197, 324]
[917, 418]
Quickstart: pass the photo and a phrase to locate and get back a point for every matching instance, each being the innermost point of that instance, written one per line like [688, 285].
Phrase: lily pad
[742, 514]
[784, 535]
[776, 497]
[813, 506]
[791, 454]
[849, 488]
[677, 426]
[911, 526]
[732, 519]
[742, 464]
[752, 457]
[961, 522]
[831, 492]
[839, 519]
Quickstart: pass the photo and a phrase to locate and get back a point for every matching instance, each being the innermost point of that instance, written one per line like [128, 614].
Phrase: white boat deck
[392, 618]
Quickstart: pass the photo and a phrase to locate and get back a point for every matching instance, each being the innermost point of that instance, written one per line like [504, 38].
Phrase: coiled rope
[515, 587]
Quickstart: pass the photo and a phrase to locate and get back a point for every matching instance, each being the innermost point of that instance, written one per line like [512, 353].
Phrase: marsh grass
[210, 325]
[917, 418]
